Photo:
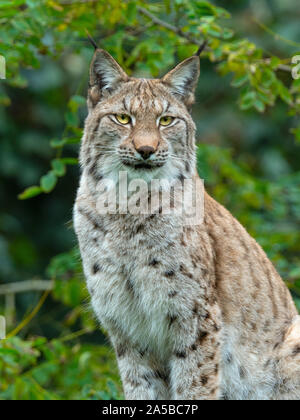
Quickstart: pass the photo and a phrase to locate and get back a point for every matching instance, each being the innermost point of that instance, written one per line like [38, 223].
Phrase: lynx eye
[164, 121]
[123, 119]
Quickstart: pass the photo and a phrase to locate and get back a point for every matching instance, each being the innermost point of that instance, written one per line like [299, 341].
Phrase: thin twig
[277, 36]
[76, 334]
[30, 316]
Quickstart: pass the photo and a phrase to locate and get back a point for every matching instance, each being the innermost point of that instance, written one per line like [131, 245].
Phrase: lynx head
[142, 126]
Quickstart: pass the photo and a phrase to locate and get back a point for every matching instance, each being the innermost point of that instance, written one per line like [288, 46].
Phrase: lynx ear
[182, 80]
[105, 75]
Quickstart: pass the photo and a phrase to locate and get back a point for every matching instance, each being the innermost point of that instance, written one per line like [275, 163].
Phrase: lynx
[193, 312]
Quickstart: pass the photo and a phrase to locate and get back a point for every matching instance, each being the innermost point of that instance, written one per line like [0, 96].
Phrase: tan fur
[193, 312]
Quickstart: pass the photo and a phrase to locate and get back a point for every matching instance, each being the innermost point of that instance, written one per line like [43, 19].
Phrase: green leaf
[268, 78]
[71, 119]
[275, 61]
[214, 33]
[31, 3]
[247, 101]
[59, 168]
[48, 182]
[267, 99]
[30, 193]
[284, 93]
[259, 105]
[203, 8]
[69, 161]
[227, 33]
[75, 102]
[57, 143]
[296, 132]
[72, 140]
[222, 12]
[131, 11]
[239, 81]
[9, 3]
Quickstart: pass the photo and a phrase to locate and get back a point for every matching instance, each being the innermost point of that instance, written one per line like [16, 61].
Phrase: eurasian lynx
[193, 312]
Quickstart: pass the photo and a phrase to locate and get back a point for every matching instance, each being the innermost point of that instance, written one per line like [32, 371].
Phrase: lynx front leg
[142, 377]
[194, 366]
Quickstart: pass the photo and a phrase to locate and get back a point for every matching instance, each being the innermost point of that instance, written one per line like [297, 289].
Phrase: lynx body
[193, 312]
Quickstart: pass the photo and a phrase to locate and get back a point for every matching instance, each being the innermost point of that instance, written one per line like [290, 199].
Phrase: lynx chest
[137, 275]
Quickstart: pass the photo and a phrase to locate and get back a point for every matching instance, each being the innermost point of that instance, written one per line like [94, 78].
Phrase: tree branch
[168, 26]
[282, 67]
[26, 286]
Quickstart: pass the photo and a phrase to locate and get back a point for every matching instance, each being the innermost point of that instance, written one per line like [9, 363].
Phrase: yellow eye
[123, 119]
[164, 121]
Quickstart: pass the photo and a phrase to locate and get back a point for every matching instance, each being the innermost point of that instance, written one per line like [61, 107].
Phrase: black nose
[146, 151]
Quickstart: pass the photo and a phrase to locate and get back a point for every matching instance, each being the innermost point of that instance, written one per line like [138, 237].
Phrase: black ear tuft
[201, 49]
[92, 41]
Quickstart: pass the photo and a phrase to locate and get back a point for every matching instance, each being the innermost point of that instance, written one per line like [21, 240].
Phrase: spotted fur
[193, 313]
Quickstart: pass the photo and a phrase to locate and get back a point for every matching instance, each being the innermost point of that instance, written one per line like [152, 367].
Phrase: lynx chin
[193, 312]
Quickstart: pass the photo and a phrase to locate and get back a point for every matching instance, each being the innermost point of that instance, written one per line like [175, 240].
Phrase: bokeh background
[246, 112]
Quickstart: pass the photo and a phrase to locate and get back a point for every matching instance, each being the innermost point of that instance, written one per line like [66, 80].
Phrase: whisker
[106, 153]
[177, 158]
[104, 148]
[103, 145]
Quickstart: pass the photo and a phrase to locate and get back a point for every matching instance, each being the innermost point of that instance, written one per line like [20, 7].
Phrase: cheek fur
[175, 135]
[114, 130]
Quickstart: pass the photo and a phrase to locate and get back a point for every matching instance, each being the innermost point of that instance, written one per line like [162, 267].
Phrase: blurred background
[247, 155]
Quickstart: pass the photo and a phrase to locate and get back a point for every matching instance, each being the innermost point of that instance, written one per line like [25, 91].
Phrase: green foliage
[38, 369]
[46, 26]
[246, 155]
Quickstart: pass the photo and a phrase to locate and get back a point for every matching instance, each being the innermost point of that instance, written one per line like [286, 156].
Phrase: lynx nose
[146, 151]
